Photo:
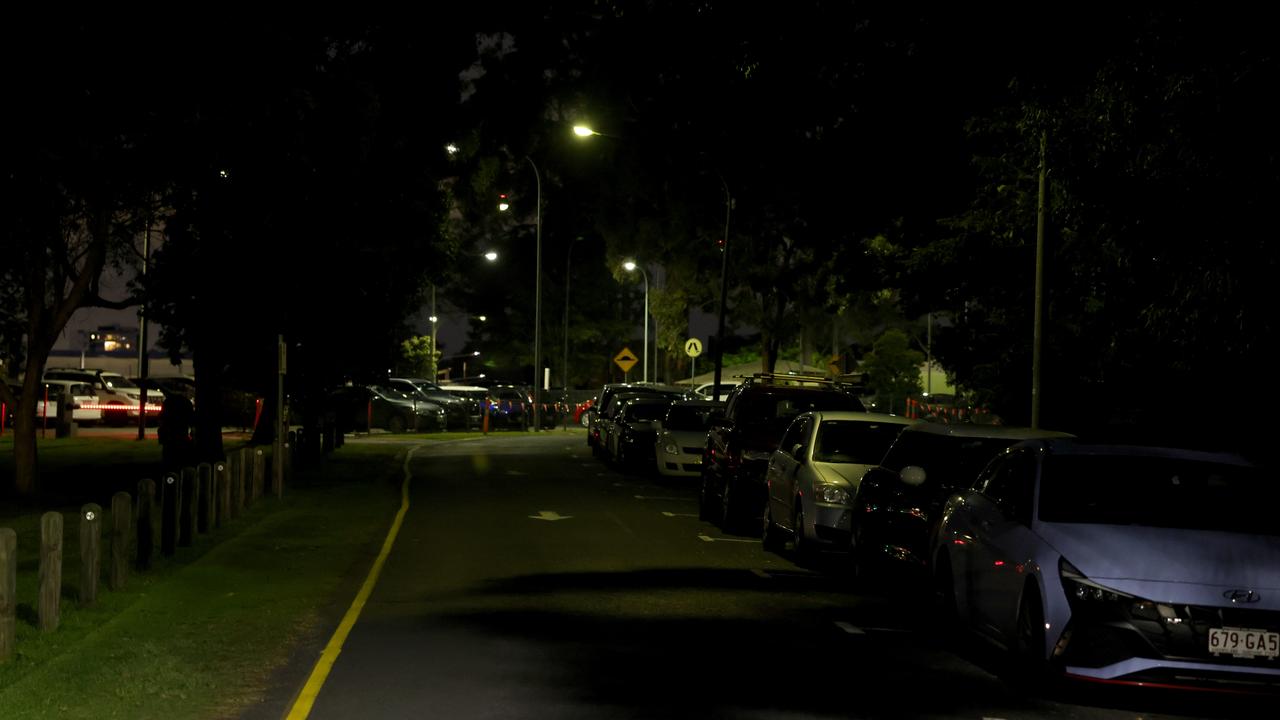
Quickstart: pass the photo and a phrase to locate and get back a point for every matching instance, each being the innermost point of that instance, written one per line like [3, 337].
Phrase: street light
[537, 303]
[631, 266]
[585, 132]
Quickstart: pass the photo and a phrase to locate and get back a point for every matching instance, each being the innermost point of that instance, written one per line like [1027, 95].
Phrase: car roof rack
[787, 380]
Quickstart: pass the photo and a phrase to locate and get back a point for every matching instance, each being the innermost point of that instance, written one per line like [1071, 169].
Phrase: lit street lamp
[537, 303]
[631, 266]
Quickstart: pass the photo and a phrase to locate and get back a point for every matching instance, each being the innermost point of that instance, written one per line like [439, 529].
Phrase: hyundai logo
[1242, 596]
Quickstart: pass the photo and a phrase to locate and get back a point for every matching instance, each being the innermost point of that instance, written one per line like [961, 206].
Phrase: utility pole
[724, 275]
[143, 365]
[1037, 334]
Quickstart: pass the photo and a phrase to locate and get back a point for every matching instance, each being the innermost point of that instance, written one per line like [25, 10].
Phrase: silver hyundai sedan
[1119, 564]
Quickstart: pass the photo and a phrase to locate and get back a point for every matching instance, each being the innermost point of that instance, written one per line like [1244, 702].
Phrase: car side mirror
[912, 475]
[797, 452]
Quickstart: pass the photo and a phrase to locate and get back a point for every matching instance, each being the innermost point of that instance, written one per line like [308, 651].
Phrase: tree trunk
[24, 448]
[206, 363]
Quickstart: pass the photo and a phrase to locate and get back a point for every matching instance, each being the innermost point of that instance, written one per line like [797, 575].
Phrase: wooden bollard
[121, 514]
[186, 507]
[222, 489]
[90, 552]
[146, 534]
[204, 507]
[259, 473]
[50, 571]
[246, 478]
[8, 593]
[237, 487]
[169, 490]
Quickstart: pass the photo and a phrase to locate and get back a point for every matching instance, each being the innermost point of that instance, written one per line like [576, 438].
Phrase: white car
[682, 436]
[1119, 564]
[814, 476]
[81, 396]
[118, 397]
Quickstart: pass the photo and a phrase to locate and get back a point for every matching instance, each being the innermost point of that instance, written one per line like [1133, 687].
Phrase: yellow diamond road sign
[626, 359]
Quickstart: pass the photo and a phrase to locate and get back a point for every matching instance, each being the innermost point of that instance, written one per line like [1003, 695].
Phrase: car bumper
[829, 525]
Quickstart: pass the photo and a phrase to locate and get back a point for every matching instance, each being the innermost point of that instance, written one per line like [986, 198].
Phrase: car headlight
[670, 447]
[1087, 596]
[831, 494]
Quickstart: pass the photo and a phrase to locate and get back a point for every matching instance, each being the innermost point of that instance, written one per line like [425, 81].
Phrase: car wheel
[771, 537]
[704, 498]
[944, 595]
[800, 546]
[396, 424]
[728, 510]
[1029, 666]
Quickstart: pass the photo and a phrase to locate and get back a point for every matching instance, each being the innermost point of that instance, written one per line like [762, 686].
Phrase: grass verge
[199, 634]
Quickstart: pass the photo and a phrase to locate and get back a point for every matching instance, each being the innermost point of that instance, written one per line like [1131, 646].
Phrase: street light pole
[631, 265]
[724, 274]
[431, 356]
[537, 305]
[564, 367]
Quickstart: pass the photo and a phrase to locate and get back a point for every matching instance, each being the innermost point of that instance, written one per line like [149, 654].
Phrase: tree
[77, 189]
[416, 355]
[1159, 171]
[892, 368]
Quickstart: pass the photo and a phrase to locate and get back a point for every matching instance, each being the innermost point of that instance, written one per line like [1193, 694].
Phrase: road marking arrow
[549, 515]
[671, 514]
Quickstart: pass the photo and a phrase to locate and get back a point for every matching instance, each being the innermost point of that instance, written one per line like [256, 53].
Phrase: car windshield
[850, 441]
[689, 417]
[117, 381]
[1158, 492]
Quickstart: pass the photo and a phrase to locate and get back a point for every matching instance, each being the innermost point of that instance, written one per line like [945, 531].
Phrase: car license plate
[1244, 642]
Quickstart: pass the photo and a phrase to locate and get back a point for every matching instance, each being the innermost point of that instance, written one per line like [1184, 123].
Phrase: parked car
[477, 396]
[460, 413]
[366, 407]
[603, 404]
[580, 416]
[682, 436]
[167, 385]
[899, 502]
[708, 389]
[739, 444]
[118, 397]
[814, 475]
[635, 429]
[1119, 563]
[81, 397]
[512, 407]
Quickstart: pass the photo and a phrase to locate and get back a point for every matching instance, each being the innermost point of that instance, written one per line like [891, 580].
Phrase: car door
[781, 473]
[1000, 511]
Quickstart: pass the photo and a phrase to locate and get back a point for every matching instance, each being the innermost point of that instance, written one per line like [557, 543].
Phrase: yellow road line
[302, 705]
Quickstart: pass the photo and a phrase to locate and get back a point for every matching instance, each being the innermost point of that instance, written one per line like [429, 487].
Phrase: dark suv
[739, 446]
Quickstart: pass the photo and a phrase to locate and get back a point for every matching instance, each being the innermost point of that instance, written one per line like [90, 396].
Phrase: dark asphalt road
[632, 607]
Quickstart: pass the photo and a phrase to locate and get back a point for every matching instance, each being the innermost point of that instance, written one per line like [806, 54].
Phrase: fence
[185, 504]
[938, 412]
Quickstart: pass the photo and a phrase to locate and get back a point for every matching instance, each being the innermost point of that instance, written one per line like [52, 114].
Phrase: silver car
[682, 437]
[1119, 563]
[814, 475]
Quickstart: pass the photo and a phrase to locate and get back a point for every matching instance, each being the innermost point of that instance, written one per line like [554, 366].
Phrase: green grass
[197, 636]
